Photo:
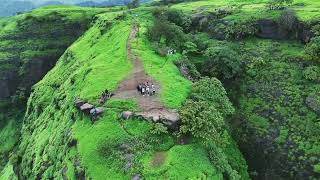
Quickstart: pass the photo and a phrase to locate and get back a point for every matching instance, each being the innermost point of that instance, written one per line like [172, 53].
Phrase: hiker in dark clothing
[139, 88]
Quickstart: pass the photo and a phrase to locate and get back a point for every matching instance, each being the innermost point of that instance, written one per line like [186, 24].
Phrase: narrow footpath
[150, 106]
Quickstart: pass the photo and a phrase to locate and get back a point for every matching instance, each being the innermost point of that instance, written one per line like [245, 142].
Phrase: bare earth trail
[150, 106]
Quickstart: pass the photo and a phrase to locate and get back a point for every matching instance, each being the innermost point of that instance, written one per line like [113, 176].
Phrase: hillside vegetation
[242, 74]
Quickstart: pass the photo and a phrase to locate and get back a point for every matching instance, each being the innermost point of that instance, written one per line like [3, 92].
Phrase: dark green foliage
[133, 4]
[312, 73]
[203, 121]
[30, 49]
[313, 48]
[288, 20]
[218, 157]
[316, 30]
[158, 129]
[203, 116]
[279, 106]
[278, 4]
[222, 62]
[212, 92]
[175, 16]
[168, 33]
[188, 69]
[233, 30]
[168, 2]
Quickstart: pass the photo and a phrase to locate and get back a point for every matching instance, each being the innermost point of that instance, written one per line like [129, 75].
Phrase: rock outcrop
[271, 29]
[170, 118]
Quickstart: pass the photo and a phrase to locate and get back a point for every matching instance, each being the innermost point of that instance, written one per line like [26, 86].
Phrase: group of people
[146, 89]
[105, 96]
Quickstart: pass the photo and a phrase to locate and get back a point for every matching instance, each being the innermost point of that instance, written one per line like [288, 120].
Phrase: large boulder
[99, 110]
[86, 108]
[78, 103]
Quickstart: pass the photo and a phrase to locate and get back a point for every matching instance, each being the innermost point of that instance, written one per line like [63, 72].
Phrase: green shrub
[212, 92]
[316, 30]
[234, 30]
[222, 62]
[278, 4]
[288, 20]
[168, 33]
[316, 168]
[313, 48]
[158, 129]
[203, 121]
[312, 73]
[187, 67]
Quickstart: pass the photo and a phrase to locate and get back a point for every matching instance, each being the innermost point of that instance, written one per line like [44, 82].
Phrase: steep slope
[30, 46]
[58, 141]
[277, 102]
[32, 43]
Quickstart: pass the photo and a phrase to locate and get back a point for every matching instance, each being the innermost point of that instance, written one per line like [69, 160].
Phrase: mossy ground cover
[273, 103]
[97, 61]
[174, 87]
[246, 10]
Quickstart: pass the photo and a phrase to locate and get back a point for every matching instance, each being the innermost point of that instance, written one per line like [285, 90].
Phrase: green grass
[252, 9]
[7, 173]
[182, 162]
[8, 136]
[174, 87]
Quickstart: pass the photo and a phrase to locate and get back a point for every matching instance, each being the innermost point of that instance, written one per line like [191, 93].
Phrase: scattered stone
[169, 118]
[136, 177]
[78, 103]
[86, 107]
[99, 110]
[126, 115]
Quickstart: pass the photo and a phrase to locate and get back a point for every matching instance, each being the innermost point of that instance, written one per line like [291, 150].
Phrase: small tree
[165, 32]
[288, 20]
[203, 121]
[313, 48]
[212, 92]
[278, 4]
[133, 4]
[222, 62]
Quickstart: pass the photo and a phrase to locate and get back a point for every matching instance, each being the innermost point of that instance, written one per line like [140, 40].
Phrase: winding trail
[150, 106]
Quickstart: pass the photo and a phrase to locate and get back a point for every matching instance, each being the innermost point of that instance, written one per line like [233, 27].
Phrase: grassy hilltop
[255, 117]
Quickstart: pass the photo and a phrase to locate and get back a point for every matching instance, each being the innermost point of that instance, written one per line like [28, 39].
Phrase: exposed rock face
[126, 115]
[271, 29]
[33, 48]
[169, 118]
[7, 84]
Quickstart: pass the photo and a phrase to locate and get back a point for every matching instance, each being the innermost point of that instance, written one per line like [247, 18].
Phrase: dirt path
[127, 89]
[150, 106]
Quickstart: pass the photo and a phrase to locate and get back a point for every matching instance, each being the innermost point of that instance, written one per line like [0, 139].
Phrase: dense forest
[169, 89]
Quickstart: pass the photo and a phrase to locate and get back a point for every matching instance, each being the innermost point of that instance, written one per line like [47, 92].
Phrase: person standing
[148, 89]
[153, 88]
[143, 90]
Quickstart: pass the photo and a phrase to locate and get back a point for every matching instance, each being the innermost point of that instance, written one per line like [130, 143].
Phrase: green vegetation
[260, 100]
[31, 44]
[111, 143]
